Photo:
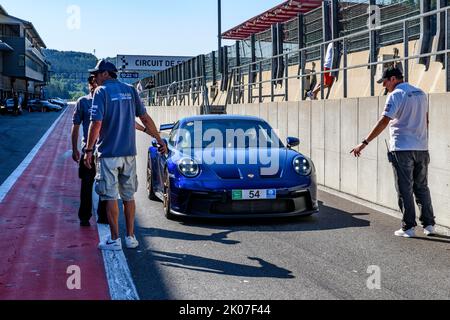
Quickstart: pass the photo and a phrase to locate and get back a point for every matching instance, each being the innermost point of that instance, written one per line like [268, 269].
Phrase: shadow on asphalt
[219, 237]
[328, 218]
[435, 238]
[195, 263]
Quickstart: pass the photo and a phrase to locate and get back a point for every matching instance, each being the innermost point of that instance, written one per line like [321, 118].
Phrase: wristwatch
[88, 150]
[365, 142]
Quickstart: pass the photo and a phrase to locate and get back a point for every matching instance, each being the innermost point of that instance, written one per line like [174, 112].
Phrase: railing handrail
[346, 37]
[364, 65]
[250, 68]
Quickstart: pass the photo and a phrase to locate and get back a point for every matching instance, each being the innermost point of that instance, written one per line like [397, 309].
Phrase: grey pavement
[327, 256]
[19, 135]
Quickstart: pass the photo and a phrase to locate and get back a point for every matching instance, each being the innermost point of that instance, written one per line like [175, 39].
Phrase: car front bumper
[219, 204]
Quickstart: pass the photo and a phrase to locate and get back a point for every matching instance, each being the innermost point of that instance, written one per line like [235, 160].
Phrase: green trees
[68, 73]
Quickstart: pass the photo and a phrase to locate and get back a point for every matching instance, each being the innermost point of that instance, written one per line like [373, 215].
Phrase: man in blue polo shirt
[114, 110]
[406, 112]
[82, 117]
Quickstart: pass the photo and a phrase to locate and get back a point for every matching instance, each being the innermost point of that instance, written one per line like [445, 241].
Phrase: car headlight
[302, 166]
[188, 168]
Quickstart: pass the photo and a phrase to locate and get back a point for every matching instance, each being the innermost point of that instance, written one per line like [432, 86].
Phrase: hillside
[69, 73]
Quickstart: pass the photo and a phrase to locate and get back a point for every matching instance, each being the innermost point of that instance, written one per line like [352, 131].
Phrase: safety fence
[303, 40]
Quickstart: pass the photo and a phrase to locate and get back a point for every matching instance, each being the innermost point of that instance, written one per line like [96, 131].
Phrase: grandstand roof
[281, 13]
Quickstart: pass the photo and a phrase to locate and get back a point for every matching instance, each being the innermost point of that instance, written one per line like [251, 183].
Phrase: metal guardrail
[195, 89]
[252, 85]
[181, 92]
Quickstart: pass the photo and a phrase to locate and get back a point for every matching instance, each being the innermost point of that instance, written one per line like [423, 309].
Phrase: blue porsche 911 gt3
[227, 166]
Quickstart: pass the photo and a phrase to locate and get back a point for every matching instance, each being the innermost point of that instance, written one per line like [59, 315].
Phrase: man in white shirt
[328, 78]
[406, 112]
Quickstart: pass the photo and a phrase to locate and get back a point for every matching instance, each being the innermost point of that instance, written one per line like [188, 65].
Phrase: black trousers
[411, 181]
[87, 177]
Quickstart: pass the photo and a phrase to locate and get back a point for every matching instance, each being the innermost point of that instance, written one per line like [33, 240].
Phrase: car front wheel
[167, 197]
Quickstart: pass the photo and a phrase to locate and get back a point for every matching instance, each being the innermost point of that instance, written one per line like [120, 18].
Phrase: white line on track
[120, 281]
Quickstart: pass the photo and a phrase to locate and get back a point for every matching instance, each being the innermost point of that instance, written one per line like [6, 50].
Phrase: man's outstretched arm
[376, 131]
[153, 131]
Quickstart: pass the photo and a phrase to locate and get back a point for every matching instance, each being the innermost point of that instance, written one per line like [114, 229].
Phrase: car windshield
[225, 134]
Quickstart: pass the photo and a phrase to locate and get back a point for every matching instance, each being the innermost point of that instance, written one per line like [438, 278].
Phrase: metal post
[345, 84]
[260, 82]
[326, 23]
[373, 55]
[250, 86]
[302, 73]
[326, 27]
[440, 35]
[406, 49]
[272, 91]
[286, 75]
[192, 80]
[322, 75]
[253, 55]
[236, 87]
[447, 47]
[335, 19]
[335, 34]
[225, 67]
[300, 35]
[274, 53]
[204, 86]
[425, 33]
[219, 36]
[280, 50]
[214, 74]
[238, 54]
[238, 74]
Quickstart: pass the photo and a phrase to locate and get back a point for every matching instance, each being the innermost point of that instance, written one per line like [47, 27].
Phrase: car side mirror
[292, 142]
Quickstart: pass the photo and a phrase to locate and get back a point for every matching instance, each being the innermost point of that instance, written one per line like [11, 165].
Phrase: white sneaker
[131, 242]
[429, 231]
[111, 245]
[310, 95]
[406, 234]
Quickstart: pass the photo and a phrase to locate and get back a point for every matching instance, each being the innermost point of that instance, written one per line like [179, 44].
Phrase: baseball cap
[103, 66]
[391, 72]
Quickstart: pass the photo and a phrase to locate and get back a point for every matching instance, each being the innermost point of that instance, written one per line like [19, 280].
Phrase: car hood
[251, 163]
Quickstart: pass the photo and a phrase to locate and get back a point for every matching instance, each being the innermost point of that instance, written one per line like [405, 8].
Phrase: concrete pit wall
[329, 129]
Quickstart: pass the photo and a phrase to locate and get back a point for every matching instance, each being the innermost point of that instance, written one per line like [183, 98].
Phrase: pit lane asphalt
[19, 135]
[323, 257]
[326, 256]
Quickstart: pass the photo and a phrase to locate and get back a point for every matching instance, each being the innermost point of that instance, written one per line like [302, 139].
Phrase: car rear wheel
[166, 196]
[150, 191]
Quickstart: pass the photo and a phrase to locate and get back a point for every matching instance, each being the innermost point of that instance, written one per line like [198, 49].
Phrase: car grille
[254, 206]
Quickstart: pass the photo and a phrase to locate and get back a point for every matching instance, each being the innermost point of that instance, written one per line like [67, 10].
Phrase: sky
[134, 27]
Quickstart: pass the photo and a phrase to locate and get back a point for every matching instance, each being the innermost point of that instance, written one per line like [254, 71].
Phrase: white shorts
[116, 176]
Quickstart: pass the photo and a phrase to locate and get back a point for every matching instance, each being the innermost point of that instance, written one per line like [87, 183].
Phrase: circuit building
[23, 68]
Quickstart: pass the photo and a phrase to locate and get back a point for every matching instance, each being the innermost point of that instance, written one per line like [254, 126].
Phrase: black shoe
[85, 223]
[102, 221]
